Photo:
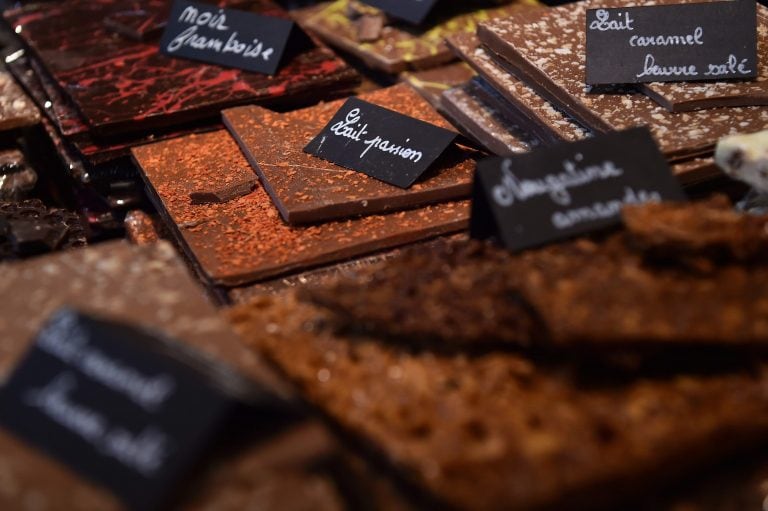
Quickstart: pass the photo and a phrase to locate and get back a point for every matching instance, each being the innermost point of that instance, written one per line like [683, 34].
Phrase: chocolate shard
[369, 27]
[32, 237]
[229, 192]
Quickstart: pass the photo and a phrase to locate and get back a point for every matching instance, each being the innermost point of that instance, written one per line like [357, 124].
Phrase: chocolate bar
[31, 228]
[121, 85]
[484, 124]
[490, 430]
[680, 275]
[532, 44]
[745, 157]
[399, 47]
[16, 109]
[238, 242]
[306, 189]
[524, 105]
[685, 97]
[431, 83]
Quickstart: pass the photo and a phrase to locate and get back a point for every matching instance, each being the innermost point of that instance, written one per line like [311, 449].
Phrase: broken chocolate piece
[30, 237]
[745, 157]
[226, 194]
[369, 27]
[17, 179]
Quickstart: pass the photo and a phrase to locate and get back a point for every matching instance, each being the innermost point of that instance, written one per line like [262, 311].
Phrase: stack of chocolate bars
[531, 68]
[248, 204]
[95, 69]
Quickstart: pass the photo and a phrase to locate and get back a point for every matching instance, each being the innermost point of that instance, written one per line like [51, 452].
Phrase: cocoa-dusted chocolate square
[238, 241]
[307, 189]
[120, 84]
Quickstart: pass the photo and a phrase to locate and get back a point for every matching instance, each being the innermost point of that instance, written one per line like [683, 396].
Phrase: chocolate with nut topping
[307, 189]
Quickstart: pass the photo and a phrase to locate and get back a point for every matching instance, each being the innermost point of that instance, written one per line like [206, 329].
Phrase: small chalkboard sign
[227, 37]
[569, 189]
[412, 11]
[380, 143]
[124, 408]
[681, 42]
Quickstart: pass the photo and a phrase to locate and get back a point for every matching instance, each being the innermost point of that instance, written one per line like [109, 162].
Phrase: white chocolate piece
[745, 157]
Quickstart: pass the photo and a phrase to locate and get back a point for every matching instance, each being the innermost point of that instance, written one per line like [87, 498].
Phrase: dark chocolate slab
[124, 85]
[307, 189]
[546, 50]
[244, 240]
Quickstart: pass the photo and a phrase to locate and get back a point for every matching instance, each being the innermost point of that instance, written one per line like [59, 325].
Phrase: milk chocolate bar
[525, 106]
[399, 47]
[532, 44]
[685, 97]
[492, 430]
[243, 240]
[484, 124]
[431, 83]
[307, 189]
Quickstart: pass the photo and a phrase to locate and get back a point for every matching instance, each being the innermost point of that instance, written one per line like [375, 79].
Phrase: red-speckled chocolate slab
[307, 189]
[244, 240]
[119, 84]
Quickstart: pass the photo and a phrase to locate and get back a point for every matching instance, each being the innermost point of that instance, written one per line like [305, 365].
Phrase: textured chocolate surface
[307, 189]
[683, 97]
[484, 124]
[431, 83]
[546, 49]
[16, 109]
[244, 240]
[675, 277]
[400, 47]
[140, 228]
[119, 84]
[494, 430]
[30, 228]
[534, 112]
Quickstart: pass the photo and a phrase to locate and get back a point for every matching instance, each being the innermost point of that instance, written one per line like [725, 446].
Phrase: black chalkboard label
[380, 143]
[113, 404]
[227, 37]
[568, 189]
[666, 43]
[412, 11]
